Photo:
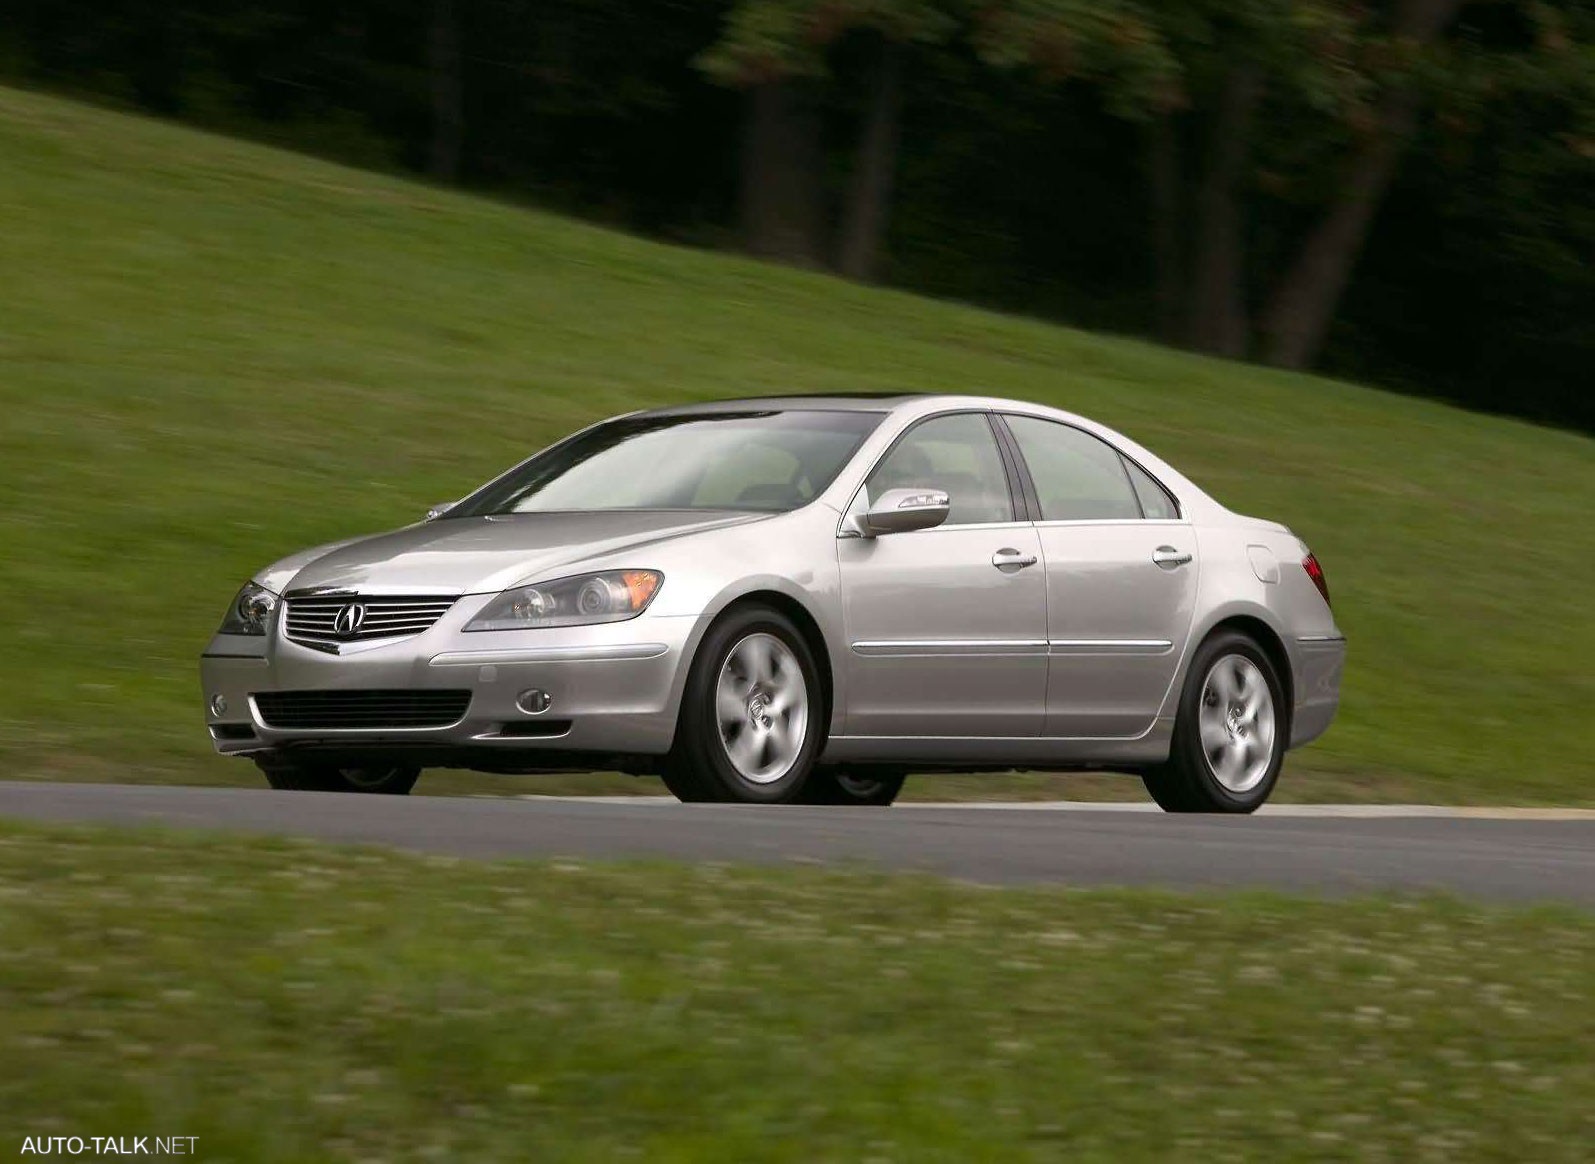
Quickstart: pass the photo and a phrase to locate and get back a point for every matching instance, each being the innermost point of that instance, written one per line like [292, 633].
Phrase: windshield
[763, 461]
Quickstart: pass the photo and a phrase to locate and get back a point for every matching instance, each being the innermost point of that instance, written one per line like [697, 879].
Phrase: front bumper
[613, 688]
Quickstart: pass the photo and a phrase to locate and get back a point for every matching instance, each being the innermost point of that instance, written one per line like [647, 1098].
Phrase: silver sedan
[796, 600]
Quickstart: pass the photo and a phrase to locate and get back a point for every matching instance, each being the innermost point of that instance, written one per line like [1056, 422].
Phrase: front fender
[824, 614]
[793, 556]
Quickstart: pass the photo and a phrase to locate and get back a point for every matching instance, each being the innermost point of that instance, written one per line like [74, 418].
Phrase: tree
[1119, 48]
[1208, 80]
[1241, 60]
[448, 104]
[764, 52]
[777, 51]
[1476, 281]
[1304, 303]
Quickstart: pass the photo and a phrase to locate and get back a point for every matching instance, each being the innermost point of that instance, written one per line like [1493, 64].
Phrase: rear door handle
[1010, 559]
[1169, 556]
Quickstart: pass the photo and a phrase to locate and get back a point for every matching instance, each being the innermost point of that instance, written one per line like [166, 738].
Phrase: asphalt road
[1501, 859]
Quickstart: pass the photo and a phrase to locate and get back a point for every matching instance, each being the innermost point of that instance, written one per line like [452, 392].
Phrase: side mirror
[439, 510]
[903, 510]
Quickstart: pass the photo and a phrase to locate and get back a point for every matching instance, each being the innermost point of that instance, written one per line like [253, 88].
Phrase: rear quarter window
[1157, 503]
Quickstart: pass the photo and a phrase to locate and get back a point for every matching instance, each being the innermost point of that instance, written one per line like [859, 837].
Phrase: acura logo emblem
[349, 620]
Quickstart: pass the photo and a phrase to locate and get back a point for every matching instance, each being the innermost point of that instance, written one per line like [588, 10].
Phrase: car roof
[828, 402]
[915, 403]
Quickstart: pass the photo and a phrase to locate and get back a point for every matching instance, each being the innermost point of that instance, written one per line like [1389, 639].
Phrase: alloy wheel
[1237, 723]
[762, 708]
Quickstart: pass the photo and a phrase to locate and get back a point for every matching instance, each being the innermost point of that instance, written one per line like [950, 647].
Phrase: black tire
[699, 767]
[1188, 781]
[860, 787]
[295, 776]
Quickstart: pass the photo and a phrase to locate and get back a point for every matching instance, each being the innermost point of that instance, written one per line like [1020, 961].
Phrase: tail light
[1316, 573]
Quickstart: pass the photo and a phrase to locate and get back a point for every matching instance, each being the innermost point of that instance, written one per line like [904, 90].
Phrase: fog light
[534, 701]
[218, 705]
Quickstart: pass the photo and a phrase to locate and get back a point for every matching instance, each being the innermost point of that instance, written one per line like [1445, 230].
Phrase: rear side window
[1156, 502]
[1077, 476]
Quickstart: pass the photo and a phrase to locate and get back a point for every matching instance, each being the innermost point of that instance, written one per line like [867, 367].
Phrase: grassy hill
[213, 353]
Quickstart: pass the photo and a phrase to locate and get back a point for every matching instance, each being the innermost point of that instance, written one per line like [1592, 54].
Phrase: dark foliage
[1025, 188]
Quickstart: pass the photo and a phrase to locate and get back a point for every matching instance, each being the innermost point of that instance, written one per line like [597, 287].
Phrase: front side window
[762, 461]
[1077, 476]
[956, 454]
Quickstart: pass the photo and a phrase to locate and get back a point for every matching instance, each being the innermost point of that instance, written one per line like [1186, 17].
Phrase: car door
[1121, 579]
[946, 626]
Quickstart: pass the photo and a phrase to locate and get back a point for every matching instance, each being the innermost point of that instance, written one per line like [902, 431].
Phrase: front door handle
[1010, 559]
[1169, 556]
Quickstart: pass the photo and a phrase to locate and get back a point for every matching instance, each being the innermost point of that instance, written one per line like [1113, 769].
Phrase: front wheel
[1230, 734]
[752, 715]
[302, 777]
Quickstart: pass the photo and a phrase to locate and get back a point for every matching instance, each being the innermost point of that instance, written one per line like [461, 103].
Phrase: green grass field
[290, 1002]
[213, 353]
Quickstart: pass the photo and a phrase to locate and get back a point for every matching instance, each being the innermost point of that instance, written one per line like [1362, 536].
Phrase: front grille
[315, 621]
[362, 709]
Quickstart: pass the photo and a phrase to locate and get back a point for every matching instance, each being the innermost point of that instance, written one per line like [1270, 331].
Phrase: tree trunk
[781, 170]
[1303, 307]
[1216, 320]
[448, 113]
[869, 193]
[1163, 165]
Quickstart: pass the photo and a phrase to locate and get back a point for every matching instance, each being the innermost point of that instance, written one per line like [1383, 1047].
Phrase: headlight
[612, 596]
[250, 613]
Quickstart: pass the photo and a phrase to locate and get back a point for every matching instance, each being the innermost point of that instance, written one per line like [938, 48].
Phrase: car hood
[479, 555]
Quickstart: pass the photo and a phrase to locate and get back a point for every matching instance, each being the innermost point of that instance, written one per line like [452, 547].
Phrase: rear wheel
[752, 715]
[860, 786]
[1229, 737]
[308, 777]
